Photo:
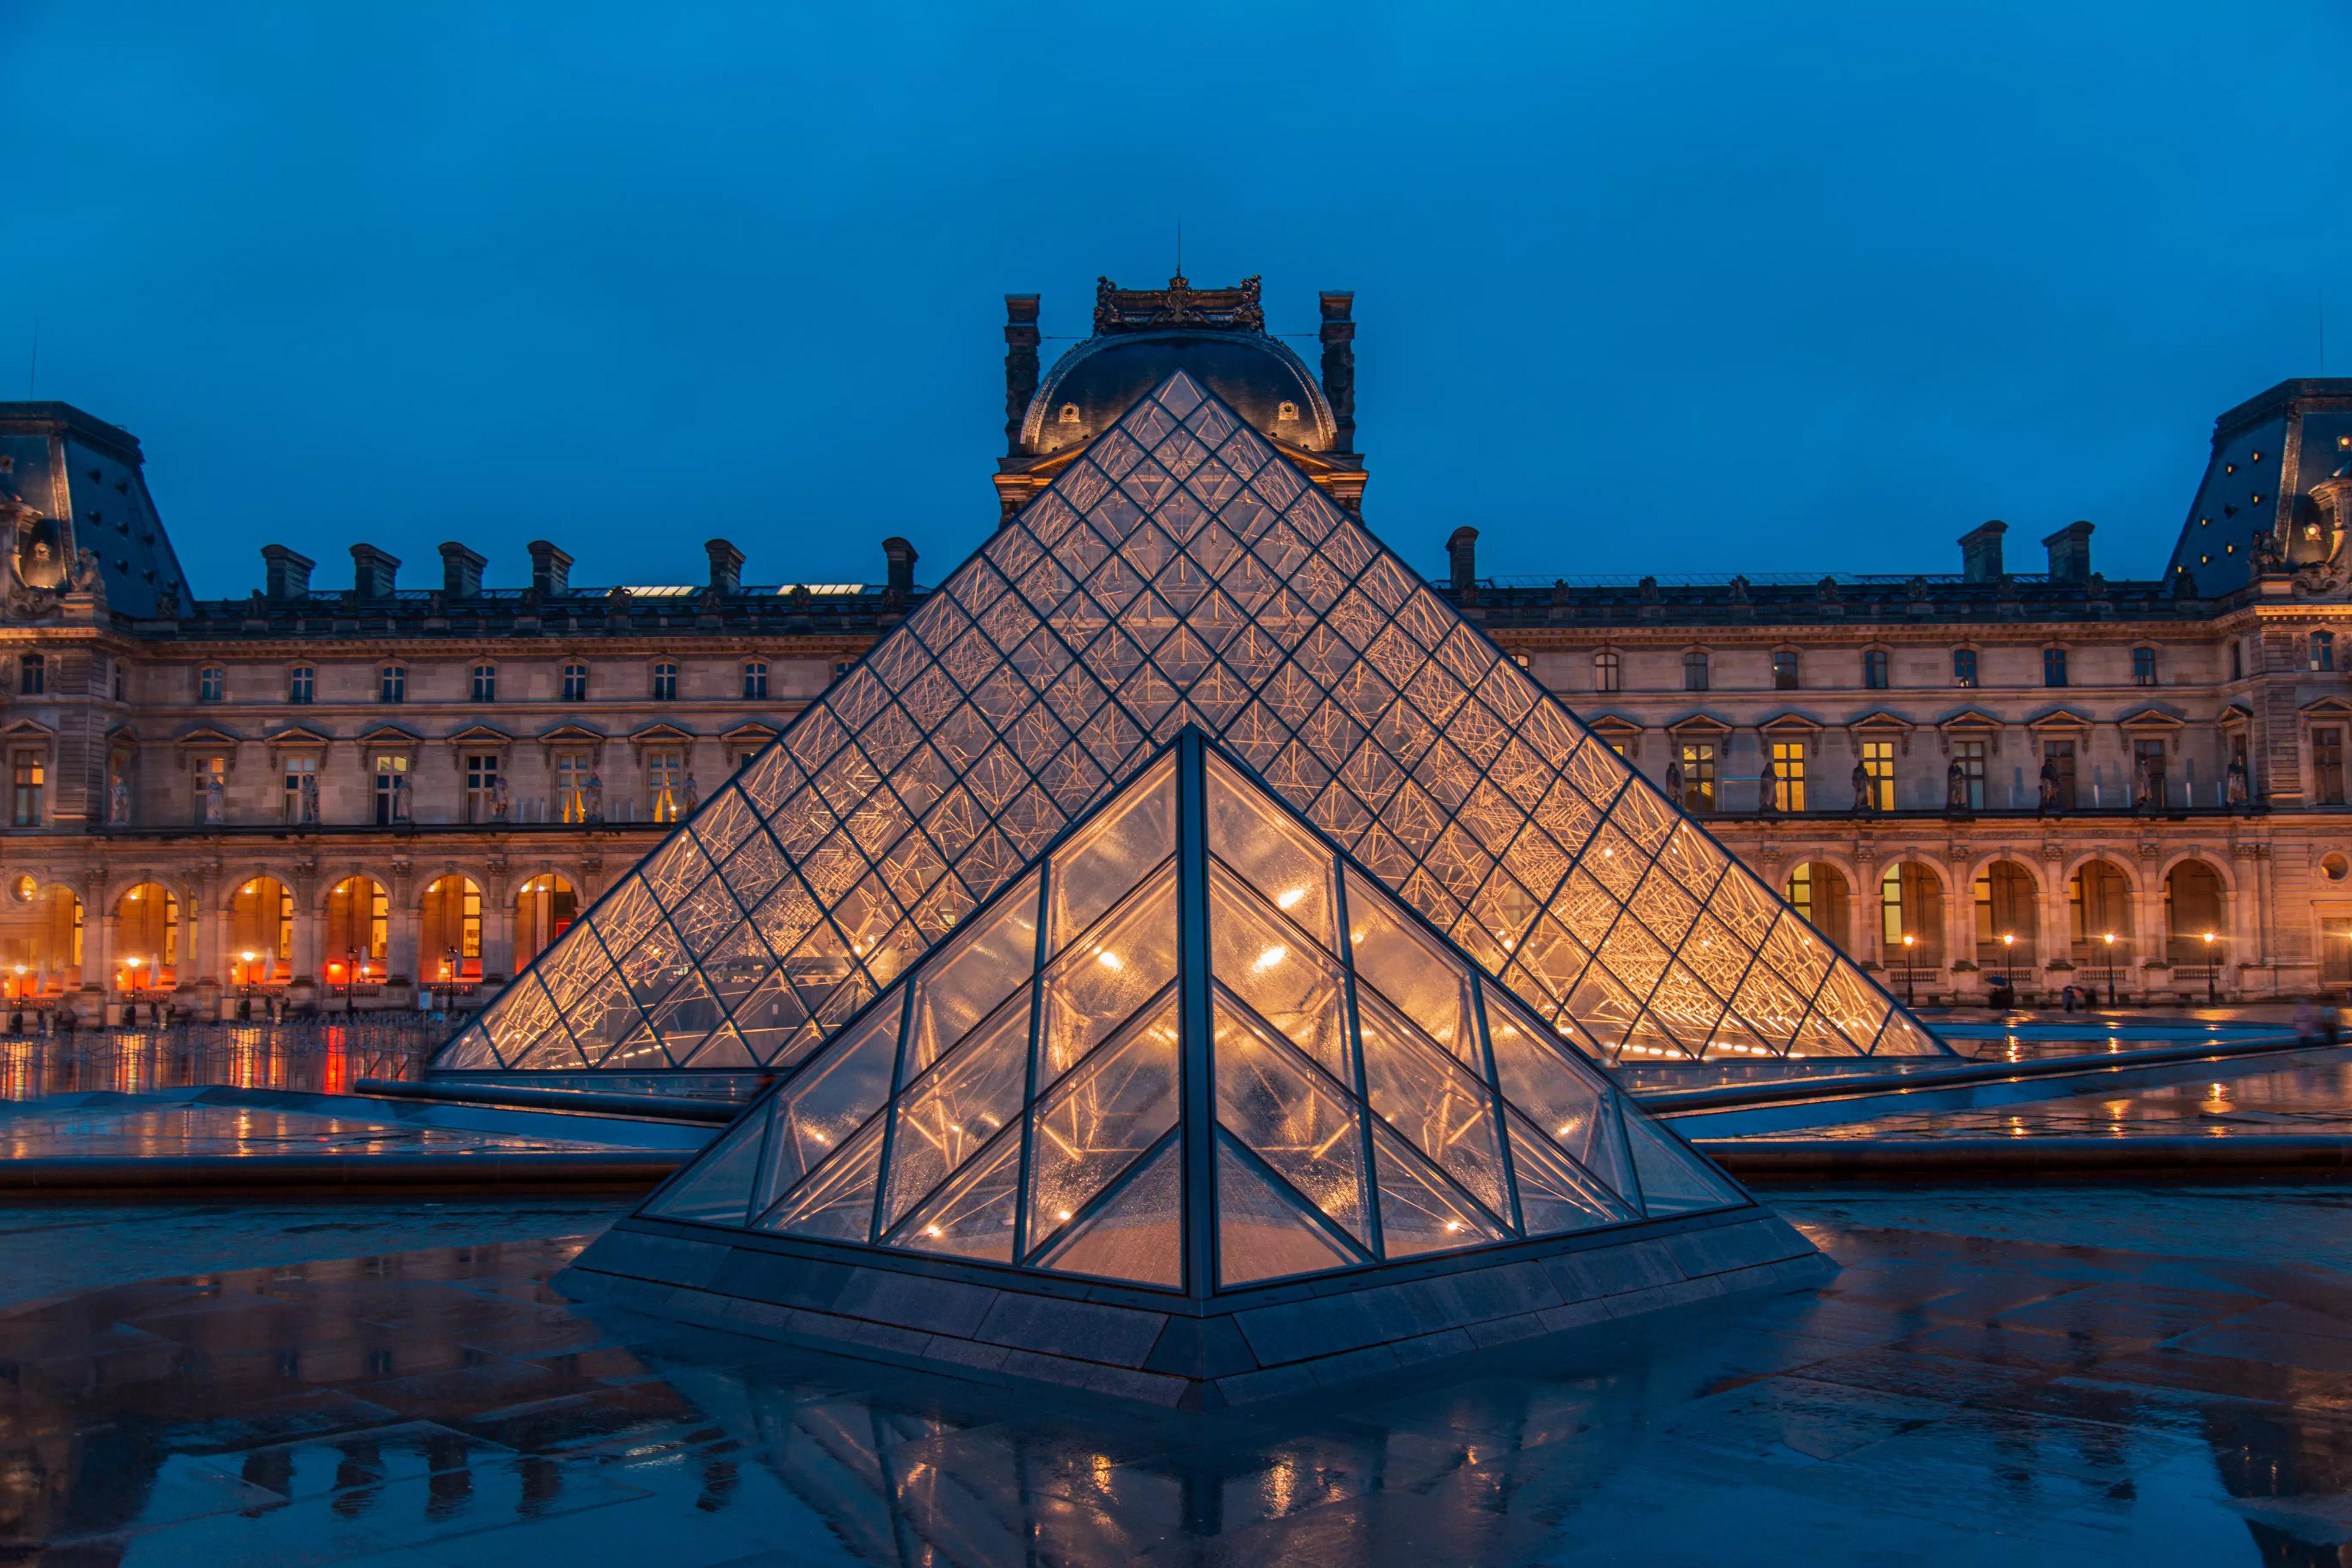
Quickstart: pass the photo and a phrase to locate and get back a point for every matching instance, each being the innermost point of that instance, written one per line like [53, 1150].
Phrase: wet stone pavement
[2073, 1378]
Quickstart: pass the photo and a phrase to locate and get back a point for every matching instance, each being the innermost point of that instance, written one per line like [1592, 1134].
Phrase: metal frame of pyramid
[1178, 572]
[1193, 1066]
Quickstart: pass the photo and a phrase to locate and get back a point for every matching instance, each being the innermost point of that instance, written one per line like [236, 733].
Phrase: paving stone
[1082, 1330]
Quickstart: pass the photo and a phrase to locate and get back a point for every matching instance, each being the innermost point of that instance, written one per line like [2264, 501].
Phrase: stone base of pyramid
[998, 1326]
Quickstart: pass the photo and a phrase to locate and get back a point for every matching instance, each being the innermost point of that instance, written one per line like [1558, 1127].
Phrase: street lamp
[351, 977]
[244, 1003]
[1910, 983]
[2109, 938]
[2208, 969]
[2009, 958]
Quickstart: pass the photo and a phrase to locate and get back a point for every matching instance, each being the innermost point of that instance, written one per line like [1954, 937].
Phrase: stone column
[400, 946]
[309, 930]
[2153, 939]
[2056, 936]
[206, 978]
[1959, 929]
[97, 941]
[498, 920]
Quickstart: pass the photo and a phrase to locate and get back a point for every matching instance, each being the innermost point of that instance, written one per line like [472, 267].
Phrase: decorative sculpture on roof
[1118, 310]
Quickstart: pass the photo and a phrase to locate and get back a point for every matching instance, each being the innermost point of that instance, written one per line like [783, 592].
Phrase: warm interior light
[1290, 899]
[931, 1230]
[1268, 959]
[1110, 960]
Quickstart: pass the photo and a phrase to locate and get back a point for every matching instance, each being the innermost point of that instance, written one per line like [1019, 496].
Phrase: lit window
[665, 682]
[575, 683]
[392, 684]
[2323, 651]
[666, 784]
[299, 769]
[1607, 673]
[2143, 667]
[1698, 776]
[481, 786]
[32, 775]
[1963, 667]
[2327, 766]
[1876, 664]
[1694, 670]
[485, 683]
[32, 675]
[390, 774]
[755, 681]
[1784, 670]
[2054, 667]
[301, 683]
[1878, 764]
[1788, 776]
[572, 771]
[211, 682]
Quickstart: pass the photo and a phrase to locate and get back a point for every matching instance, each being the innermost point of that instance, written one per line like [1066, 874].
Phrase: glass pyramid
[1180, 572]
[1192, 1048]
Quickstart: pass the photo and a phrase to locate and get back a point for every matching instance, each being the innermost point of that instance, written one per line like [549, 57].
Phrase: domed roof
[1094, 384]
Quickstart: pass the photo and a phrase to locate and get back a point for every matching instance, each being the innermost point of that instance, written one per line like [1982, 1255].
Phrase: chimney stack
[286, 574]
[550, 569]
[901, 557]
[2069, 553]
[726, 565]
[461, 571]
[1020, 364]
[1980, 553]
[372, 572]
[1462, 550]
[1339, 334]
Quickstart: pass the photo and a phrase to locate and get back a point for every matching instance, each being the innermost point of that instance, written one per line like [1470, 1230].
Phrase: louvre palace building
[369, 790]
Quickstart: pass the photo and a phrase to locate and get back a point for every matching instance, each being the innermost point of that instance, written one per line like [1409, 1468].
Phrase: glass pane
[1103, 980]
[1675, 1179]
[1418, 1211]
[772, 1018]
[1565, 1098]
[1136, 1235]
[1261, 1234]
[1555, 1195]
[1291, 1118]
[1111, 854]
[724, 1049]
[1409, 969]
[1292, 986]
[1271, 852]
[818, 1111]
[972, 1215]
[1423, 1094]
[973, 1094]
[838, 1205]
[717, 1189]
[1100, 1118]
[979, 971]
[603, 1019]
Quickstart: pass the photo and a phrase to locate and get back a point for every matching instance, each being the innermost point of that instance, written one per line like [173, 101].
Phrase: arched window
[359, 925]
[1694, 670]
[1608, 671]
[147, 937]
[261, 933]
[755, 681]
[301, 683]
[575, 682]
[450, 949]
[544, 908]
[665, 681]
[40, 951]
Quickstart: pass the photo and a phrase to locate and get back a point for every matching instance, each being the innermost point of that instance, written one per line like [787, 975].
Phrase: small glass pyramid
[1180, 571]
[1192, 1047]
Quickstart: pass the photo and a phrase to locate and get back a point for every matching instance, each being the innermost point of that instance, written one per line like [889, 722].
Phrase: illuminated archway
[544, 908]
[147, 938]
[359, 926]
[1911, 904]
[2009, 921]
[40, 939]
[261, 933]
[449, 944]
[2194, 909]
[1818, 891]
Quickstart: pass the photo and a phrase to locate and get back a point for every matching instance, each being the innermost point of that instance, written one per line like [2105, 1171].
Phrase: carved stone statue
[400, 802]
[693, 795]
[2234, 786]
[1767, 789]
[594, 797]
[1955, 788]
[501, 799]
[118, 803]
[2143, 786]
[1674, 781]
[309, 800]
[1864, 798]
[215, 801]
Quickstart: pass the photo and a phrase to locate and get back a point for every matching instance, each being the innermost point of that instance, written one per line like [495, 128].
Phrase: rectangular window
[297, 769]
[2237, 662]
[1878, 761]
[211, 682]
[1970, 756]
[2143, 667]
[301, 683]
[1963, 667]
[1607, 673]
[1874, 663]
[664, 683]
[1698, 776]
[741, 756]
[32, 675]
[390, 772]
[2335, 951]
[2323, 651]
[575, 683]
[755, 682]
[32, 781]
[481, 786]
[485, 683]
[1695, 671]
[1784, 672]
[1801, 893]
[204, 772]
[1788, 776]
[2147, 773]
[2327, 767]
[2060, 755]
[2054, 667]
[571, 775]
[119, 680]
[392, 686]
[665, 785]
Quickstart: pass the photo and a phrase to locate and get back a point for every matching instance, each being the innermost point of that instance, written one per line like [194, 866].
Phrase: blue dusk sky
[1675, 287]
